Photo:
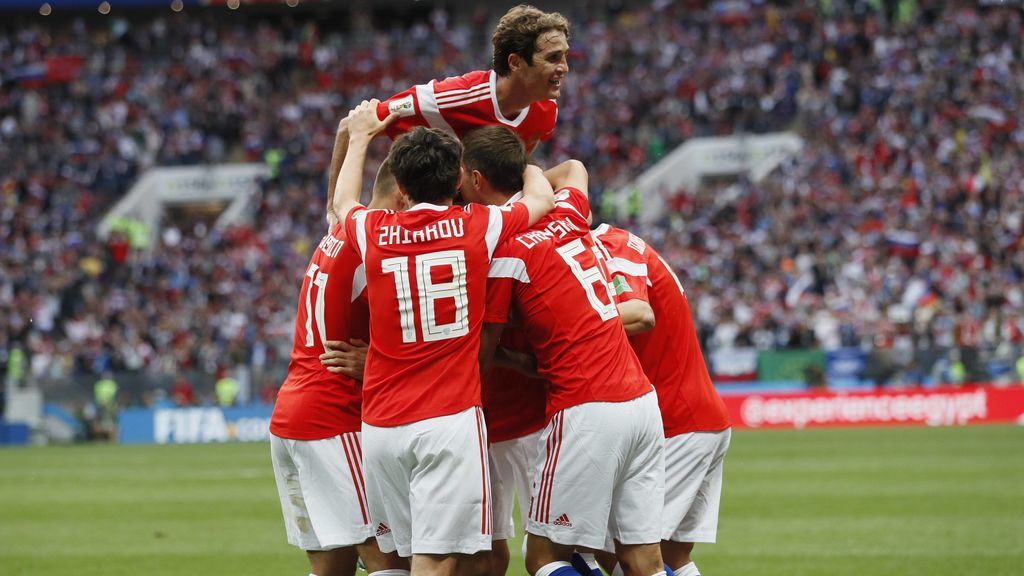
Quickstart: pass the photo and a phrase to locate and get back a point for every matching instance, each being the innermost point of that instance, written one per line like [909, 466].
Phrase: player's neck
[511, 96]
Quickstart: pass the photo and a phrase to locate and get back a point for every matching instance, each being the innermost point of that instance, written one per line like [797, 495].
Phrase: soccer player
[315, 427]
[601, 471]
[425, 444]
[697, 427]
[514, 404]
[530, 61]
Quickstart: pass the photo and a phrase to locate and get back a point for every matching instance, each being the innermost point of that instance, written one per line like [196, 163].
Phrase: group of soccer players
[452, 355]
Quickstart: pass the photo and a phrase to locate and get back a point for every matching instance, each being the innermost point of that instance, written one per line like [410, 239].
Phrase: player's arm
[637, 316]
[337, 156]
[538, 195]
[348, 358]
[525, 364]
[363, 125]
[489, 337]
[569, 174]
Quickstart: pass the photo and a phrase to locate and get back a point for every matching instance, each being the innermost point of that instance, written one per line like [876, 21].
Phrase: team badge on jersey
[404, 106]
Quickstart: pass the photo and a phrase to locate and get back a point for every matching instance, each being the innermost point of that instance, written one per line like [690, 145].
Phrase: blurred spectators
[899, 229]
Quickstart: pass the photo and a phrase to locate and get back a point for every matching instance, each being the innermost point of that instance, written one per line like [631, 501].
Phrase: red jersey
[426, 275]
[313, 403]
[670, 353]
[461, 104]
[513, 403]
[561, 291]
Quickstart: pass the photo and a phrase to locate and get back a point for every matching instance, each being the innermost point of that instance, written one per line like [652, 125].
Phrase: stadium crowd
[898, 228]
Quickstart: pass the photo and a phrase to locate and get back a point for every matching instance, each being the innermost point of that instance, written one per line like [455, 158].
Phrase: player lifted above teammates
[530, 61]
[315, 427]
[599, 404]
[696, 420]
[425, 446]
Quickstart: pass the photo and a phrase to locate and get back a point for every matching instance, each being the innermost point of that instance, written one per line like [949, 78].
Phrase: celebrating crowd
[898, 228]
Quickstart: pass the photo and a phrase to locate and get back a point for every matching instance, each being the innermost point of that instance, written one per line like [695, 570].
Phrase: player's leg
[500, 557]
[638, 497]
[511, 463]
[322, 499]
[386, 451]
[449, 494]
[379, 563]
[336, 562]
[694, 463]
[574, 478]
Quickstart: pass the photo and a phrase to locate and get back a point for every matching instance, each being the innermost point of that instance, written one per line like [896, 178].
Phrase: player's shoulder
[620, 241]
[477, 79]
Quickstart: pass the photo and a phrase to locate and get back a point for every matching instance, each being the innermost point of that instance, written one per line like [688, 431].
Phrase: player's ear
[515, 61]
[478, 180]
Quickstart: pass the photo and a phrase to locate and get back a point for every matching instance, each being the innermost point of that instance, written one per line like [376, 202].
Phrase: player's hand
[363, 120]
[348, 358]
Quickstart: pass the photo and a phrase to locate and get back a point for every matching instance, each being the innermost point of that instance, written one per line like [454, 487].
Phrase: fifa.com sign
[201, 425]
[933, 407]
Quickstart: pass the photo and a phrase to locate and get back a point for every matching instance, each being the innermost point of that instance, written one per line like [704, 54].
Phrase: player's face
[550, 65]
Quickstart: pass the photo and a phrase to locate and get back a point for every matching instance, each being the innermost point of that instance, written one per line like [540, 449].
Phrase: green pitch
[902, 502]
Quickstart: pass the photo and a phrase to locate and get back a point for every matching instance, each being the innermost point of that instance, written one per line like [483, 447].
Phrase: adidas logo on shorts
[383, 529]
[563, 520]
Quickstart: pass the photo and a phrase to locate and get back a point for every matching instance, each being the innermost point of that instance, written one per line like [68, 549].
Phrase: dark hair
[426, 163]
[517, 32]
[498, 154]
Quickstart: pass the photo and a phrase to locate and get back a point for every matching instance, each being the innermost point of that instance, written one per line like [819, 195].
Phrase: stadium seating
[899, 230]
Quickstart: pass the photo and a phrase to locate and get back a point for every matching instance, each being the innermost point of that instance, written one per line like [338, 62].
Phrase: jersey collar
[514, 123]
[515, 198]
[427, 206]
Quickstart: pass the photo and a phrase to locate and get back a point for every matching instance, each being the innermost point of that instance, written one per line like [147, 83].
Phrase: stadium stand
[898, 230]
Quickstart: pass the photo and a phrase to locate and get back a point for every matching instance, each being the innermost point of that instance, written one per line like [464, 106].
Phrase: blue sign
[845, 365]
[200, 425]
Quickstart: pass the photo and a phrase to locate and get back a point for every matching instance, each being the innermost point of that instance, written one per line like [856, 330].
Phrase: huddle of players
[401, 449]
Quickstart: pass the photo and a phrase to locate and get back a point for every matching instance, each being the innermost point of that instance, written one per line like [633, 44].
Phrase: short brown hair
[517, 32]
[498, 154]
[427, 163]
[384, 184]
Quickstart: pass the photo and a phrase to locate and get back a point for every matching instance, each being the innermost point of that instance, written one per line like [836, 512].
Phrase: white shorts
[512, 464]
[693, 485]
[320, 484]
[429, 485]
[601, 475]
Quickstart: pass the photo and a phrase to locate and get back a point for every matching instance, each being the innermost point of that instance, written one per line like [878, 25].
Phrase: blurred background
[839, 185]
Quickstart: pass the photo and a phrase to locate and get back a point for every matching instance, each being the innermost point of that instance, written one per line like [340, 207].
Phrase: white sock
[688, 570]
[590, 560]
[392, 572]
[661, 573]
[617, 571]
[547, 569]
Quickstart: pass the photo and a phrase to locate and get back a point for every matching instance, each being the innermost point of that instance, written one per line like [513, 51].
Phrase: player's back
[314, 403]
[561, 292]
[426, 273]
[670, 353]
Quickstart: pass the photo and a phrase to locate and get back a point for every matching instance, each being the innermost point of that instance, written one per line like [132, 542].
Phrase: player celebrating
[601, 472]
[315, 426]
[425, 452]
[493, 161]
[696, 420]
[530, 59]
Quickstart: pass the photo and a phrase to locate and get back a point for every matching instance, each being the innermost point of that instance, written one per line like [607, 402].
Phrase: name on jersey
[436, 231]
[330, 246]
[559, 228]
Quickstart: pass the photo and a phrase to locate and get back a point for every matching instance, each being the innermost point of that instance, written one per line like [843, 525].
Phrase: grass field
[898, 501]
